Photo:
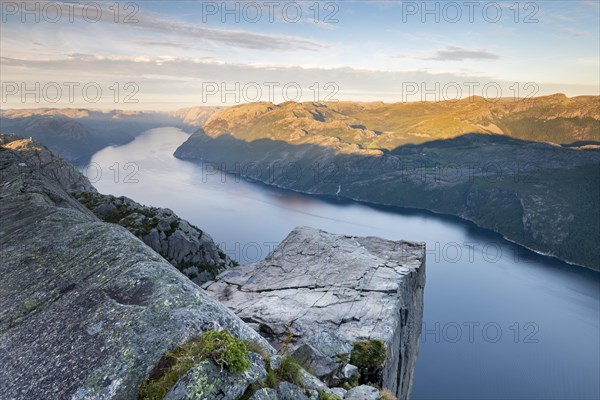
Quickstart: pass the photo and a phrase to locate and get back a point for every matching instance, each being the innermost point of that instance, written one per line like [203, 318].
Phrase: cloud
[574, 33]
[161, 43]
[455, 53]
[172, 82]
[154, 23]
[236, 38]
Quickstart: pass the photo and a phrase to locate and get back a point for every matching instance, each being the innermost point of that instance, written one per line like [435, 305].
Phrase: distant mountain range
[76, 134]
[528, 169]
[475, 159]
[385, 126]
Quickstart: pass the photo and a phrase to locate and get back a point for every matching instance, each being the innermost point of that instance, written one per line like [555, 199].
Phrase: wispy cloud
[455, 53]
[574, 32]
[236, 38]
[230, 37]
[178, 82]
[162, 43]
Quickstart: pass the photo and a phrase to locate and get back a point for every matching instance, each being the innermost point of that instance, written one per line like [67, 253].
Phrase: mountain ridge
[540, 195]
[385, 126]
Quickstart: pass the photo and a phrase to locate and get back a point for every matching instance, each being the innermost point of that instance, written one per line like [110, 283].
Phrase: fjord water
[500, 322]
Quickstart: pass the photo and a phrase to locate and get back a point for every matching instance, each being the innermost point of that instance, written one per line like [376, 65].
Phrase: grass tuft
[222, 348]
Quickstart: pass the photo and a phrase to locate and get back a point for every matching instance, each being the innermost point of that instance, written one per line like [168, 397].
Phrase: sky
[165, 55]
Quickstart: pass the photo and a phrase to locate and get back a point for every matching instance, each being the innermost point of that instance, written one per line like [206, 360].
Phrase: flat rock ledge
[318, 293]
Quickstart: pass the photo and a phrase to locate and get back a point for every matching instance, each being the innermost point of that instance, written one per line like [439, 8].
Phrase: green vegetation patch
[353, 382]
[323, 395]
[369, 354]
[222, 348]
[289, 371]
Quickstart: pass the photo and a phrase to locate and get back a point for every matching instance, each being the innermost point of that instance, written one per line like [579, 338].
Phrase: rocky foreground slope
[318, 293]
[48, 163]
[88, 311]
[187, 247]
[184, 245]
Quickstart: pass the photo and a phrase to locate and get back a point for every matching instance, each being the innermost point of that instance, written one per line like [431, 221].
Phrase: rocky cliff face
[187, 247]
[46, 162]
[184, 245]
[88, 311]
[318, 294]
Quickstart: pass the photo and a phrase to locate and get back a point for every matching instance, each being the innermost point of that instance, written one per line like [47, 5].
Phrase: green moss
[288, 371]
[220, 347]
[368, 353]
[323, 395]
[31, 305]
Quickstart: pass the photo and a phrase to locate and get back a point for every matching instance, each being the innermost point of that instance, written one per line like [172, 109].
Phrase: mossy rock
[225, 350]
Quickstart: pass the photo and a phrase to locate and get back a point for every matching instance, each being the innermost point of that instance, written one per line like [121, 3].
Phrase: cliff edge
[337, 303]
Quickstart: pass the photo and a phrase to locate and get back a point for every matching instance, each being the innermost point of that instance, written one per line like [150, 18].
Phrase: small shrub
[290, 371]
[225, 350]
[369, 354]
[354, 381]
[271, 380]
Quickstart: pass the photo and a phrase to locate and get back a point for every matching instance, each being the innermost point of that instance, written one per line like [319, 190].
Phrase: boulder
[207, 381]
[363, 392]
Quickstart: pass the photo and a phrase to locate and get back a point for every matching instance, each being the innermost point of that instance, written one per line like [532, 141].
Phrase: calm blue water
[500, 322]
